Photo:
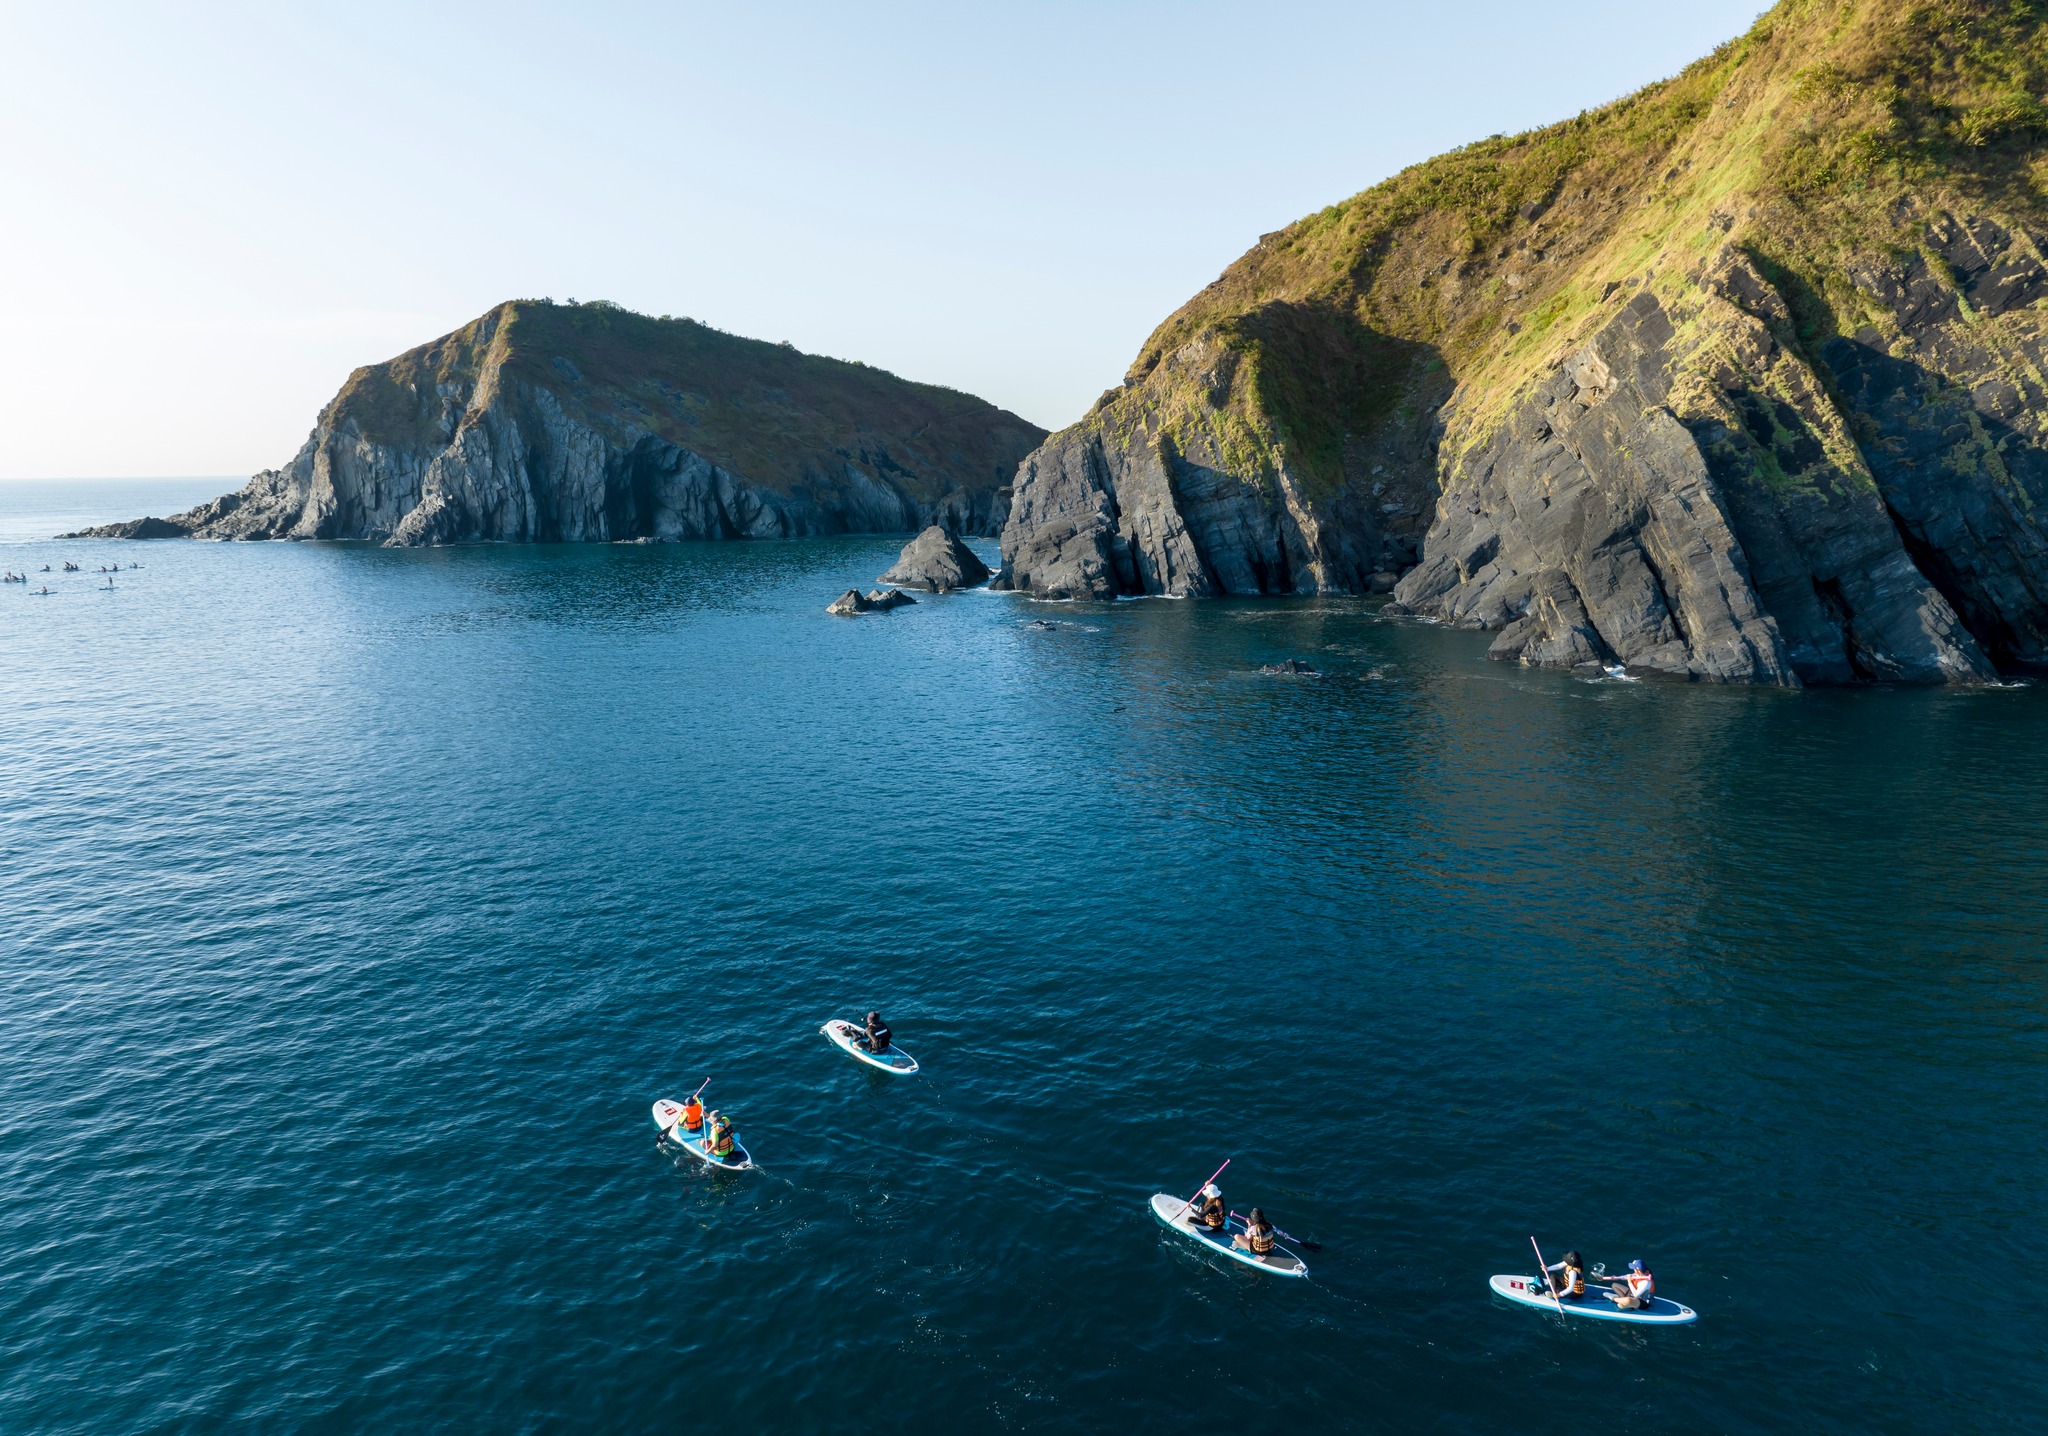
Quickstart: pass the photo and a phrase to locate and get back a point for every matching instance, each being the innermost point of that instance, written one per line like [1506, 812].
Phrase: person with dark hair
[1567, 1277]
[1258, 1234]
[1635, 1291]
[878, 1036]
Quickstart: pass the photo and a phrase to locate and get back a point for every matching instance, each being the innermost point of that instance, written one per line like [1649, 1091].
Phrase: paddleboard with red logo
[1594, 1305]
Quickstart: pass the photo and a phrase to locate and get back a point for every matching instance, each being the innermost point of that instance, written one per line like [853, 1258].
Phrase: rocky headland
[1743, 378]
[544, 422]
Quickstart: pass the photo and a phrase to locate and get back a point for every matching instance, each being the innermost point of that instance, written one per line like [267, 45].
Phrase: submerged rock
[938, 562]
[1292, 668]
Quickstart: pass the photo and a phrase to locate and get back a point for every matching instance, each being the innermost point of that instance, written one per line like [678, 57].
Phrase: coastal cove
[356, 902]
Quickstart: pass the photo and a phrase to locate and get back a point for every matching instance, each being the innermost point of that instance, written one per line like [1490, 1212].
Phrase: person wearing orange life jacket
[1635, 1291]
[1209, 1212]
[693, 1116]
[1567, 1277]
[1258, 1235]
[718, 1140]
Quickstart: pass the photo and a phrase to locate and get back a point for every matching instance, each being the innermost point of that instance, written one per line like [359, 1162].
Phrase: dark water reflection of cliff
[355, 904]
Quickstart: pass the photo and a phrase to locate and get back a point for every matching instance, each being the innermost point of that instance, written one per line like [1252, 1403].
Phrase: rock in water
[545, 422]
[938, 562]
[877, 600]
[1699, 382]
[1291, 668]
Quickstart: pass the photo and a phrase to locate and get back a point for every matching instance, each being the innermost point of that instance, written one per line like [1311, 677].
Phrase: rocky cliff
[544, 422]
[1743, 378]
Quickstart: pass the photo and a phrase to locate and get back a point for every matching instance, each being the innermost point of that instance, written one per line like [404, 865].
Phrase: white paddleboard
[1177, 1214]
[1528, 1291]
[668, 1115]
[843, 1035]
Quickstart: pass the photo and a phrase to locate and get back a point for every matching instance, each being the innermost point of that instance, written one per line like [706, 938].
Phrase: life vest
[1211, 1215]
[1260, 1239]
[1642, 1285]
[1577, 1278]
[693, 1116]
[721, 1140]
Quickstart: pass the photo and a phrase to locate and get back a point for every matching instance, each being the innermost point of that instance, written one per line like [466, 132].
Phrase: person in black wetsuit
[878, 1036]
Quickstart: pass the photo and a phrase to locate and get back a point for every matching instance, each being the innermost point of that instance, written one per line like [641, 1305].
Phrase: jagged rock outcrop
[875, 600]
[1740, 379]
[542, 422]
[937, 562]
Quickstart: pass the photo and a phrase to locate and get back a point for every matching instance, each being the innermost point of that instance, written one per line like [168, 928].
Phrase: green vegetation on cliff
[760, 409]
[1819, 139]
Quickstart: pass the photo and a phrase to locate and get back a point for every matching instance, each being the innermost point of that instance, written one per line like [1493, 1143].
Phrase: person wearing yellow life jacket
[693, 1116]
[1567, 1277]
[1258, 1235]
[1210, 1214]
[1634, 1291]
[718, 1141]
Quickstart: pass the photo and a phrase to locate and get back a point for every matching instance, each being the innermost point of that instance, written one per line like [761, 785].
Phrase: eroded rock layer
[1740, 379]
[558, 423]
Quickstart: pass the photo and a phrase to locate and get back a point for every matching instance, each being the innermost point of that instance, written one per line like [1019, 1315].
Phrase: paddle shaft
[700, 1088]
[1543, 1275]
[1198, 1190]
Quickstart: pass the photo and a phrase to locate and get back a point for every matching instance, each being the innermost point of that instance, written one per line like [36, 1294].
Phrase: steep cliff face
[544, 423]
[1740, 379]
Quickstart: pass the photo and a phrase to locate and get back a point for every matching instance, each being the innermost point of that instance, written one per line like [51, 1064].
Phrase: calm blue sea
[355, 905]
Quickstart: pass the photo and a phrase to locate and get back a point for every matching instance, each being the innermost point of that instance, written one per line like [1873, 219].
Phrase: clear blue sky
[212, 212]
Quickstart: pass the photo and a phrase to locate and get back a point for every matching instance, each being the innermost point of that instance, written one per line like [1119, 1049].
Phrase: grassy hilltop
[1795, 141]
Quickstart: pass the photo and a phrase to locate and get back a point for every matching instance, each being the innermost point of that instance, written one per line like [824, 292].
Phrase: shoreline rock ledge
[937, 562]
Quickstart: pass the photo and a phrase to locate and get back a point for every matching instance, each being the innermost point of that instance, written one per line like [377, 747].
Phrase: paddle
[1198, 1190]
[1298, 1241]
[1543, 1275]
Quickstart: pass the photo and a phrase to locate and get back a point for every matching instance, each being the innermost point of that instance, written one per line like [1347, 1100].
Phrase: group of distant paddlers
[1205, 1218]
[10, 576]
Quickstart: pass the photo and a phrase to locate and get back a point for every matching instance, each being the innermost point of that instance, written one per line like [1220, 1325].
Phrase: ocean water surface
[355, 905]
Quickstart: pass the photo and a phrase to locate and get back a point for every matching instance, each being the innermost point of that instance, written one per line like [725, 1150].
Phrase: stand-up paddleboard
[1528, 1291]
[1176, 1214]
[668, 1115]
[844, 1035]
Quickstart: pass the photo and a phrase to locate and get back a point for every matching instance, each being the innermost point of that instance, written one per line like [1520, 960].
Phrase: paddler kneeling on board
[718, 1141]
[1634, 1291]
[1210, 1214]
[1258, 1235]
[878, 1036]
[1567, 1277]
